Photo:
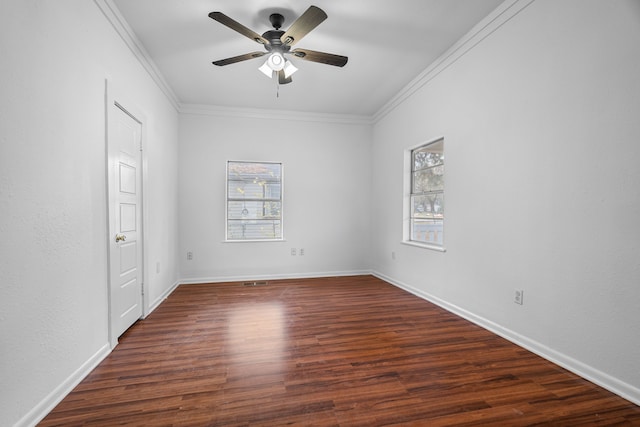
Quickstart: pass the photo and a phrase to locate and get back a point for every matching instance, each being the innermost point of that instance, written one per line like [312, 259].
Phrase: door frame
[115, 97]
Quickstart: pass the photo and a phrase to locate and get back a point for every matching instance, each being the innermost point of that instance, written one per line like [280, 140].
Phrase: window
[254, 201]
[426, 199]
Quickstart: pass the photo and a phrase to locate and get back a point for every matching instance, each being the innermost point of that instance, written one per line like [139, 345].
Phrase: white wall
[327, 184]
[541, 129]
[53, 269]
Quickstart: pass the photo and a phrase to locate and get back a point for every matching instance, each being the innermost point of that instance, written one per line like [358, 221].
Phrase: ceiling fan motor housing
[276, 20]
[273, 36]
[275, 43]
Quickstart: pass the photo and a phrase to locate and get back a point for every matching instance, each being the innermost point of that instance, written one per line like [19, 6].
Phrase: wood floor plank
[342, 351]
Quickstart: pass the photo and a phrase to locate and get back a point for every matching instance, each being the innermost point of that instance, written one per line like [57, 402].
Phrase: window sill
[254, 241]
[424, 246]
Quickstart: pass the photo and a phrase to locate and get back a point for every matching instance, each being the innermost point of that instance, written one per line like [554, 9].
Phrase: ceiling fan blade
[282, 79]
[238, 58]
[321, 57]
[310, 19]
[236, 26]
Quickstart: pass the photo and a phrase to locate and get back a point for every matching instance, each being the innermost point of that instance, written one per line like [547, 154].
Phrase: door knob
[120, 238]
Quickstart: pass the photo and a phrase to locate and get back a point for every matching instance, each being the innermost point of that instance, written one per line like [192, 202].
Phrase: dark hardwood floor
[347, 351]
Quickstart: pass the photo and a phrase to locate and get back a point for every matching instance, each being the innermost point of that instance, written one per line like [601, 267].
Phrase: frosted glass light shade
[266, 70]
[289, 69]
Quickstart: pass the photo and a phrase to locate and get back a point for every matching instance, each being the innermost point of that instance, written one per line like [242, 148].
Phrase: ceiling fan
[278, 43]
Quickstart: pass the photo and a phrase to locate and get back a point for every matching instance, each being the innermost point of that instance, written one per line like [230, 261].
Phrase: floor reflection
[256, 337]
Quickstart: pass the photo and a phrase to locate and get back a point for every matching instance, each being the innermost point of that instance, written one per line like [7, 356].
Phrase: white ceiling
[388, 44]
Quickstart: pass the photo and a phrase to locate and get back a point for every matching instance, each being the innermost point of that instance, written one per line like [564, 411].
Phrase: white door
[124, 139]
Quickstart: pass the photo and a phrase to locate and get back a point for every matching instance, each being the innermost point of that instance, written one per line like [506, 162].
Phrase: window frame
[228, 198]
[408, 197]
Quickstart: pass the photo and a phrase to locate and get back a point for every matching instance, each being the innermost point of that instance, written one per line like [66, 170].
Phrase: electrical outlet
[301, 251]
[518, 297]
[293, 252]
[189, 255]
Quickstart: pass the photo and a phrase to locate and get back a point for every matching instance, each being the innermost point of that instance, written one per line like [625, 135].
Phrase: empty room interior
[167, 162]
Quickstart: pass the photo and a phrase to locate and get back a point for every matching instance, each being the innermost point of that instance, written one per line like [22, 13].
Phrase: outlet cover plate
[518, 296]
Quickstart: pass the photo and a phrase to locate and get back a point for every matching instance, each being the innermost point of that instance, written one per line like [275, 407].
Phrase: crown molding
[117, 21]
[501, 15]
[220, 111]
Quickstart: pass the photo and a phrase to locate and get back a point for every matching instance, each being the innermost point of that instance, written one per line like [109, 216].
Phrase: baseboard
[155, 303]
[35, 415]
[602, 379]
[220, 279]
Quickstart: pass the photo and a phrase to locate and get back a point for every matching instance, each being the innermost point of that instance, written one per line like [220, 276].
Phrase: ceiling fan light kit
[278, 43]
[275, 63]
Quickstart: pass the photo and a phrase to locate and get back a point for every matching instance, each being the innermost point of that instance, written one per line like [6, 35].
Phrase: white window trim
[226, 201]
[406, 201]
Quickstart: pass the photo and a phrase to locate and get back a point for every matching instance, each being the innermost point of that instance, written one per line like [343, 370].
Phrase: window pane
[426, 198]
[427, 231]
[254, 201]
[253, 229]
[253, 210]
[428, 156]
[249, 170]
[251, 190]
[428, 206]
[426, 159]
[431, 179]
